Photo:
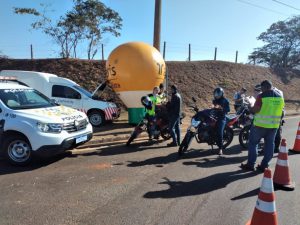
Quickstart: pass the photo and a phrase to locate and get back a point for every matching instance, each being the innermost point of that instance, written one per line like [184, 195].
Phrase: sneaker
[247, 167]
[172, 144]
[260, 169]
[156, 137]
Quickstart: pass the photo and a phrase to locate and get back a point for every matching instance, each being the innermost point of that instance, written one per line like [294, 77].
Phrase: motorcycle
[243, 117]
[202, 128]
[160, 124]
[245, 134]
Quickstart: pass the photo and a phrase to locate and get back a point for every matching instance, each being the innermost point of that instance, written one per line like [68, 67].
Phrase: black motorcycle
[203, 129]
[160, 124]
[245, 134]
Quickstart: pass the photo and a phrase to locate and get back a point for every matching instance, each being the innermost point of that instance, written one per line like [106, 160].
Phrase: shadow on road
[119, 149]
[214, 162]
[173, 157]
[6, 168]
[247, 194]
[206, 162]
[160, 160]
[197, 187]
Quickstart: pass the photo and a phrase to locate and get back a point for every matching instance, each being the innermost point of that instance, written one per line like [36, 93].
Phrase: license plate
[81, 139]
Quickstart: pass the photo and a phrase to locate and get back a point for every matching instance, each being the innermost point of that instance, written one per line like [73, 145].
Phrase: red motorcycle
[202, 128]
[160, 124]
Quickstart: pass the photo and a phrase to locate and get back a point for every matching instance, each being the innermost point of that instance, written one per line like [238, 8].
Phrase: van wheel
[17, 149]
[96, 118]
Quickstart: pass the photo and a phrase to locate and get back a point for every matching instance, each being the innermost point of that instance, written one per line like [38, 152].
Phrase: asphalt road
[143, 184]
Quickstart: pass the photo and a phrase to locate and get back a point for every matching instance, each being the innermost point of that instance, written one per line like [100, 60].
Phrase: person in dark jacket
[221, 104]
[174, 111]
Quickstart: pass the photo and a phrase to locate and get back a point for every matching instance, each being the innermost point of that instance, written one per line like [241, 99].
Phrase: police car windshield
[24, 99]
[82, 90]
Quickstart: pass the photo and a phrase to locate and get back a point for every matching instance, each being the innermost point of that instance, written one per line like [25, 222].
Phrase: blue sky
[229, 25]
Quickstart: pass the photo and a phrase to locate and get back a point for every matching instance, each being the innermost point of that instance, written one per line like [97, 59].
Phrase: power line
[261, 7]
[282, 3]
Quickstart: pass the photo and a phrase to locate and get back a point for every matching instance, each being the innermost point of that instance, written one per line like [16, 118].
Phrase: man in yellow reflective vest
[268, 111]
[150, 113]
[161, 96]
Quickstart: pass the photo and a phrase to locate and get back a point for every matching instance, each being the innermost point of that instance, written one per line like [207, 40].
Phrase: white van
[30, 123]
[66, 92]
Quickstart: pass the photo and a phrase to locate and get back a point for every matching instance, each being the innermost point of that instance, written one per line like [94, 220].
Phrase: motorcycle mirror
[194, 100]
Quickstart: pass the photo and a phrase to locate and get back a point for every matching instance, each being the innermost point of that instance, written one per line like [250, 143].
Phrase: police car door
[67, 96]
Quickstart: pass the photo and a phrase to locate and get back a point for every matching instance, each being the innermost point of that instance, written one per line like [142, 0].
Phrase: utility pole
[31, 51]
[215, 58]
[189, 52]
[102, 50]
[157, 20]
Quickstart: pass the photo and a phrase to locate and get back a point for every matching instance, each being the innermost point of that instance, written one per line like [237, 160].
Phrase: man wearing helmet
[222, 105]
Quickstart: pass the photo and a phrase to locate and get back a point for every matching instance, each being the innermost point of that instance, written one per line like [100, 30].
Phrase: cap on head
[173, 87]
[266, 84]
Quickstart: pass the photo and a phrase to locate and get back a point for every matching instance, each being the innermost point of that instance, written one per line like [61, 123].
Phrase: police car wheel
[17, 150]
[96, 118]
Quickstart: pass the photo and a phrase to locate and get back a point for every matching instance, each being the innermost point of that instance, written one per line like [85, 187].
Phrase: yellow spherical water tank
[133, 70]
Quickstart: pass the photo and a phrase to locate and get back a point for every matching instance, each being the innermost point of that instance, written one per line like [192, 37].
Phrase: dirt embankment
[198, 78]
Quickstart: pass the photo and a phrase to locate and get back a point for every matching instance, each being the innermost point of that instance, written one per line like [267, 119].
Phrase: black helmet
[146, 101]
[218, 93]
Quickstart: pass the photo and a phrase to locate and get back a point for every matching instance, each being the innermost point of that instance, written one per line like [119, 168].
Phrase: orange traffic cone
[265, 209]
[282, 179]
[296, 148]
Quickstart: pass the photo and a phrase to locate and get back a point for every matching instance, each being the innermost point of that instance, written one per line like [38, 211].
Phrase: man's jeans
[220, 131]
[256, 134]
[150, 125]
[174, 127]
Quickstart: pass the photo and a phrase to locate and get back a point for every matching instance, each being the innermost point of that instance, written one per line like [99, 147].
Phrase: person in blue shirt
[239, 99]
[221, 104]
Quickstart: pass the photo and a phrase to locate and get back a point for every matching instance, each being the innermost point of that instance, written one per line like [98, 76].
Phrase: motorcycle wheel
[132, 137]
[244, 136]
[185, 143]
[227, 136]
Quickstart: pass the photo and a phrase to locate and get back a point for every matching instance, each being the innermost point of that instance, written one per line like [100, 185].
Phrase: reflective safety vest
[270, 113]
[151, 112]
[161, 98]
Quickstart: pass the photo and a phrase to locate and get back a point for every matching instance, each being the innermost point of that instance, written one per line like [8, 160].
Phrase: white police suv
[32, 124]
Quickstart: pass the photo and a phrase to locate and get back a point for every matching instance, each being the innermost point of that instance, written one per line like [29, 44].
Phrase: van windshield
[24, 99]
[84, 91]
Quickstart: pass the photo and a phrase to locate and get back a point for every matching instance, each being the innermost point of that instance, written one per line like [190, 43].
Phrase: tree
[87, 21]
[94, 19]
[2, 56]
[282, 48]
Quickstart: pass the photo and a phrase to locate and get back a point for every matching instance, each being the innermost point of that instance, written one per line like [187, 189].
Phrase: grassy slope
[197, 78]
